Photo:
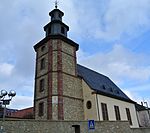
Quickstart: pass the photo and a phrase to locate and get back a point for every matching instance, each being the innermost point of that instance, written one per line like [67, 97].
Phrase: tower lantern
[56, 26]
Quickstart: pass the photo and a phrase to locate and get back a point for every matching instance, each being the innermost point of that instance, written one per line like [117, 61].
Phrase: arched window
[43, 48]
[42, 63]
[42, 85]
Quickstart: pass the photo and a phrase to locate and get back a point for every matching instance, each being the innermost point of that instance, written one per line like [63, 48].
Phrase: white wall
[122, 107]
[96, 112]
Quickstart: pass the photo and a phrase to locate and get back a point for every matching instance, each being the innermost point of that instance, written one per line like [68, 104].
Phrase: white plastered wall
[122, 107]
[96, 113]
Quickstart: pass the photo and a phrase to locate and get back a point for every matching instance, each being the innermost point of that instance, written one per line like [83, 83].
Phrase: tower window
[42, 65]
[117, 113]
[49, 30]
[43, 48]
[42, 85]
[59, 15]
[52, 16]
[128, 116]
[41, 109]
[104, 111]
[62, 30]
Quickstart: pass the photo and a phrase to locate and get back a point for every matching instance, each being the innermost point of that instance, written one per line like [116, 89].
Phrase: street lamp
[6, 101]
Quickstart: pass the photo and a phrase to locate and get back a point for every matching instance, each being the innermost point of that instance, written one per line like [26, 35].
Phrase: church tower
[58, 89]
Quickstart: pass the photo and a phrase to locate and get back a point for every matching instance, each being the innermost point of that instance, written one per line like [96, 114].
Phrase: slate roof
[101, 84]
[141, 107]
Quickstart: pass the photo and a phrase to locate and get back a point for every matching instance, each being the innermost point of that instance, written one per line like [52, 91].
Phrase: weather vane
[56, 4]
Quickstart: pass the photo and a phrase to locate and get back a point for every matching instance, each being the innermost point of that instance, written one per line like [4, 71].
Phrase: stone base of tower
[73, 109]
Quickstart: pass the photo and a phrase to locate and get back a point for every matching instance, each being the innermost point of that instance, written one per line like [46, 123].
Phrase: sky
[113, 38]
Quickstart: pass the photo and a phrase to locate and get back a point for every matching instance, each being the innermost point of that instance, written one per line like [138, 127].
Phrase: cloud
[20, 102]
[134, 95]
[20, 30]
[120, 64]
[125, 18]
[109, 20]
[5, 70]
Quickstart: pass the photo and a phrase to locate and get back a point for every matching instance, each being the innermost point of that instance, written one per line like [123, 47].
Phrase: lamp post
[6, 101]
[5, 98]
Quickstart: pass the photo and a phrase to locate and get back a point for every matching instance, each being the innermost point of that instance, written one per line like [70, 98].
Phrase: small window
[111, 89]
[49, 30]
[43, 48]
[62, 30]
[129, 115]
[103, 86]
[42, 85]
[117, 92]
[104, 111]
[117, 113]
[42, 63]
[41, 109]
[89, 105]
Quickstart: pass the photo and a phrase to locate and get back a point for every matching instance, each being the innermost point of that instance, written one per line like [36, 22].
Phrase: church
[65, 90]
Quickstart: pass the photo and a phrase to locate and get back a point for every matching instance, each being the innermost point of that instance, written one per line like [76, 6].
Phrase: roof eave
[57, 36]
[113, 96]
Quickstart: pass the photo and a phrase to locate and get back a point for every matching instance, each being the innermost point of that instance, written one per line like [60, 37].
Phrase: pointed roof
[101, 84]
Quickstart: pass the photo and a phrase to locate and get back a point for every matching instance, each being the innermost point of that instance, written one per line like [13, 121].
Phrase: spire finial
[56, 4]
